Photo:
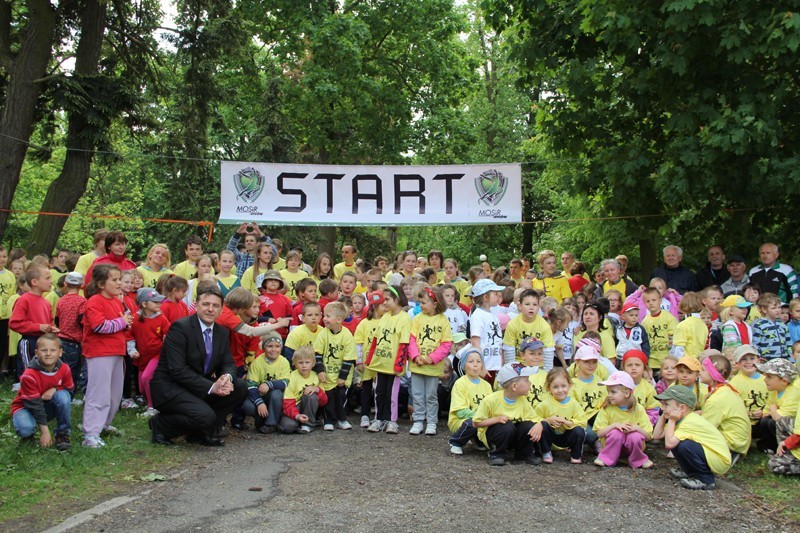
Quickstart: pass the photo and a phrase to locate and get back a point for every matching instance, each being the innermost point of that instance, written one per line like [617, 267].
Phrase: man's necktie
[207, 341]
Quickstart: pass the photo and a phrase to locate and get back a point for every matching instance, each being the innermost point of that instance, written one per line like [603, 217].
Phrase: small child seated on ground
[468, 392]
[303, 395]
[267, 377]
[622, 424]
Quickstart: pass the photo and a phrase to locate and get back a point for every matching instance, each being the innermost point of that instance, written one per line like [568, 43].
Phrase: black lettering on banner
[448, 189]
[292, 192]
[398, 194]
[358, 195]
[329, 178]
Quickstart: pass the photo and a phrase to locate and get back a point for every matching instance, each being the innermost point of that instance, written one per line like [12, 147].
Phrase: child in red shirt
[306, 291]
[148, 331]
[69, 311]
[329, 290]
[273, 304]
[173, 305]
[32, 315]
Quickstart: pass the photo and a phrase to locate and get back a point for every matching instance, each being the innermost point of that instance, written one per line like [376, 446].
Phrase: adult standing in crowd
[738, 276]
[252, 236]
[115, 244]
[408, 262]
[773, 276]
[614, 280]
[349, 254]
[674, 274]
[552, 282]
[714, 273]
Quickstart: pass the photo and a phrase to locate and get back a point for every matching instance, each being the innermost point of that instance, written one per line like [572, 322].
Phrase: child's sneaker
[547, 458]
[305, 428]
[62, 442]
[92, 441]
[364, 421]
[416, 428]
[678, 473]
[695, 484]
[148, 413]
[128, 403]
[648, 465]
[430, 429]
[343, 424]
[111, 430]
[327, 427]
[456, 450]
[599, 462]
[391, 427]
[376, 426]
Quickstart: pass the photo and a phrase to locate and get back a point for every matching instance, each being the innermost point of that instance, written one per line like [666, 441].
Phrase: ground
[358, 481]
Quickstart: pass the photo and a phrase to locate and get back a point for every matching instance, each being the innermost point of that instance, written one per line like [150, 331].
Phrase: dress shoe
[204, 440]
[222, 432]
[156, 436]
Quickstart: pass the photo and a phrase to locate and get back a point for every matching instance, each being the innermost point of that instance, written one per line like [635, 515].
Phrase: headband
[712, 371]
[394, 291]
[431, 294]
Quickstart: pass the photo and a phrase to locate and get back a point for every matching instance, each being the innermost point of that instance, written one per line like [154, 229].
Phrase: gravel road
[357, 481]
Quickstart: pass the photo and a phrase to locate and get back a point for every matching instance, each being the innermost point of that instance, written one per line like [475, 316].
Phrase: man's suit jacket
[181, 366]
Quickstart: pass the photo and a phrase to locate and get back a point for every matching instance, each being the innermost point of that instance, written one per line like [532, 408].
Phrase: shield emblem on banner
[491, 186]
[249, 184]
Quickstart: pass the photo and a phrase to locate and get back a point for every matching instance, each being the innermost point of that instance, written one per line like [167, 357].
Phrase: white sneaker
[416, 428]
[327, 427]
[430, 429]
[148, 413]
[15, 387]
[111, 430]
[77, 401]
[456, 450]
[376, 426]
[92, 441]
[305, 428]
[343, 425]
[364, 421]
[391, 427]
[128, 403]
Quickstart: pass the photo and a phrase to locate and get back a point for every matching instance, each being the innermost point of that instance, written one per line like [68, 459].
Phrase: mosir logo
[249, 184]
[491, 186]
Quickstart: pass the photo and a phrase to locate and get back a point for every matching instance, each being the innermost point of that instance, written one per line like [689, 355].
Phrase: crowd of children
[519, 366]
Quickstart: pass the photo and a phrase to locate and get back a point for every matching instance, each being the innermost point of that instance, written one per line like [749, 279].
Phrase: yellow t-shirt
[262, 369]
[365, 332]
[518, 330]
[302, 336]
[692, 334]
[341, 268]
[495, 404]
[185, 269]
[726, 412]
[430, 332]
[569, 409]
[590, 395]
[556, 287]
[465, 395]
[392, 331]
[85, 262]
[753, 392]
[13, 336]
[660, 330]
[537, 393]
[788, 401]
[646, 395]
[8, 286]
[228, 281]
[151, 276]
[52, 298]
[695, 427]
[291, 279]
[279, 264]
[335, 348]
[753, 315]
[249, 282]
[297, 384]
[608, 347]
[618, 286]
[613, 414]
[463, 287]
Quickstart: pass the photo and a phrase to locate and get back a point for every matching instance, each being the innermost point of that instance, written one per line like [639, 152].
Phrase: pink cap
[586, 353]
[619, 378]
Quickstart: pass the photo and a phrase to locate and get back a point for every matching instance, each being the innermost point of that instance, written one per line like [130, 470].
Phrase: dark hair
[395, 292]
[436, 253]
[528, 293]
[577, 268]
[438, 298]
[175, 283]
[114, 236]
[327, 286]
[453, 288]
[100, 274]
[600, 311]
[193, 239]
[303, 284]
[203, 290]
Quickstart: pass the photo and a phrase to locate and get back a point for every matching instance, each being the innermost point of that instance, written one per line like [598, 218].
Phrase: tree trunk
[22, 93]
[648, 256]
[65, 192]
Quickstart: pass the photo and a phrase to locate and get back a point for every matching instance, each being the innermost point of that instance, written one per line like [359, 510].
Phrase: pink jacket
[673, 298]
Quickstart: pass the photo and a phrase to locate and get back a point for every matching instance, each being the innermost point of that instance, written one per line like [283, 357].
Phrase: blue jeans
[58, 407]
[274, 401]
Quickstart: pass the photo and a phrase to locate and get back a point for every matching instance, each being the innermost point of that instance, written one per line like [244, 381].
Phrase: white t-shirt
[458, 320]
[486, 326]
[568, 334]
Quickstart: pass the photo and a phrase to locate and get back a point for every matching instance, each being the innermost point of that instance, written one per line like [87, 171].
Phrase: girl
[273, 305]
[104, 325]
[688, 369]
[138, 280]
[155, 265]
[357, 303]
[669, 373]
[251, 279]
[429, 345]
[485, 331]
[226, 279]
[691, 333]
[174, 291]
[149, 329]
[551, 281]
[435, 262]
[593, 319]
[735, 331]
[752, 292]
[559, 320]
[292, 274]
[614, 298]
[127, 291]
[586, 389]
[670, 298]
[323, 268]
[457, 317]
[634, 363]
[559, 418]
[465, 397]
[723, 407]
[387, 358]
[205, 271]
[365, 333]
[580, 302]
[451, 276]
[129, 304]
[622, 424]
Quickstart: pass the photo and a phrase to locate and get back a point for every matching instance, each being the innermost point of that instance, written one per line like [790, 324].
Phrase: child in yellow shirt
[335, 352]
[723, 407]
[622, 424]
[560, 417]
[467, 393]
[267, 377]
[750, 384]
[783, 400]
[303, 395]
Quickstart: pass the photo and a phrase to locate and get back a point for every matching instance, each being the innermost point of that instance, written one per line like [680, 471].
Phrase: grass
[774, 492]
[41, 487]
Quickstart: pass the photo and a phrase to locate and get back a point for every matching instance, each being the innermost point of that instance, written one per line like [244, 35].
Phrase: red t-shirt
[34, 383]
[742, 327]
[30, 312]
[149, 335]
[576, 283]
[68, 309]
[174, 310]
[99, 309]
[278, 306]
[240, 344]
[351, 323]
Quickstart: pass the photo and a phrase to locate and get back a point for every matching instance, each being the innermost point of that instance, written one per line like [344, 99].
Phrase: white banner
[353, 195]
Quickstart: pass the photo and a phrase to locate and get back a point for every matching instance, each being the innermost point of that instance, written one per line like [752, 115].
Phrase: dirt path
[358, 481]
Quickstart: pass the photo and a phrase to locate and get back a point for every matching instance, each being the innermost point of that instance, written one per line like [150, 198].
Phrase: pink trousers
[619, 444]
[144, 379]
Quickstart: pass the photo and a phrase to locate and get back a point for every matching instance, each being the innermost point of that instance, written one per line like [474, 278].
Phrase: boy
[303, 395]
[329, 290]
[630, 334]
[267, 378]
[193, 249]
[347, 283]
[44, 394]
[99, 242]
[750, 384]
[505, 420]
[659, 327]
[353, 317]
[32, 316]
[68, 317]
[335, 352]
[8, 286]
[306, 290]
[783, 400]
[770, 335]
[532, 352]
[786, 460]
[526, 325]
[306, 333]
[699, 447]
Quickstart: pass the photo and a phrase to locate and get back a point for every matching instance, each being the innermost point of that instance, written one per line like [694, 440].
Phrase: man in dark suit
[194, 388]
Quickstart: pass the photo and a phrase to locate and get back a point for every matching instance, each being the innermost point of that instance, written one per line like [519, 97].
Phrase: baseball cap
[375, 298]
[531, 343]
[680, 394]
[147, 294]
[586, 353]
[459, 337]
[779, 367]
[628, 306]
[692, 363]
[511, 371]
[482, 286]
[619, 378]
[743, 350]
[735, 259]
[734, 300]
[74, 278]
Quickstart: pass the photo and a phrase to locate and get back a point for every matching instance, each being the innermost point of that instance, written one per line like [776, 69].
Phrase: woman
[116, 244]
[156, 265]
[408, 262]
[593, 319]
[553, 283]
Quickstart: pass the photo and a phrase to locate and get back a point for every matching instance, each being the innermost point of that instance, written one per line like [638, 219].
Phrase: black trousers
[571, 438]
[186, 414]
[334, 409]
[510, 436]
[692, 458]
[764, 433]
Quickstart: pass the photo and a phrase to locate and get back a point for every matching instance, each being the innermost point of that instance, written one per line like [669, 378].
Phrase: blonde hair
[166, 249]
[303, 353]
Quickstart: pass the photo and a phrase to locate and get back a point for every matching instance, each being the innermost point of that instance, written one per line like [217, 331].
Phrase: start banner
[354, 195]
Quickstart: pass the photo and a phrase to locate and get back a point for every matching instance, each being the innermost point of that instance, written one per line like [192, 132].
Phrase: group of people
[522, 362]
